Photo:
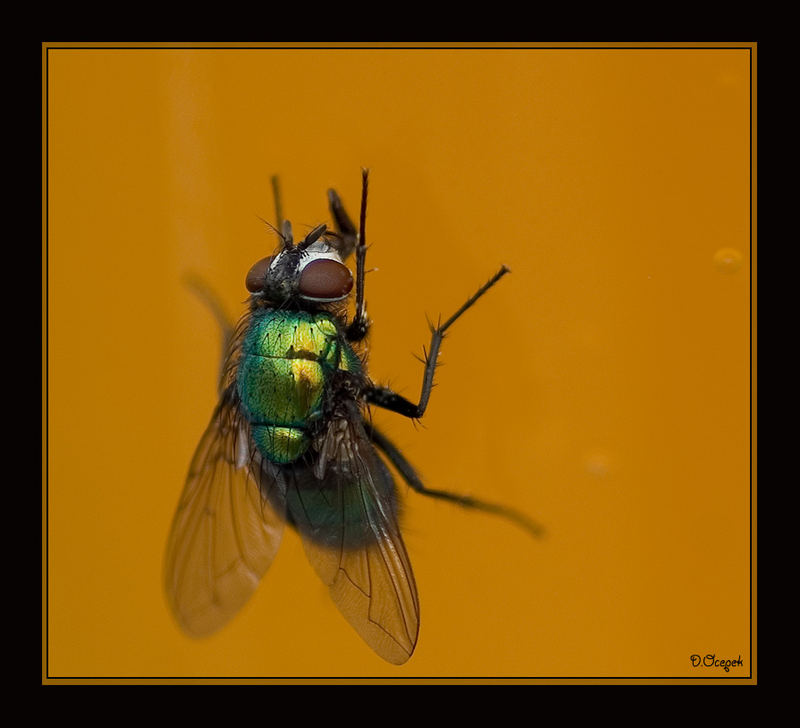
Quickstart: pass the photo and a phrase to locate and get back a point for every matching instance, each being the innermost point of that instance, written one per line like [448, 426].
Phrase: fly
[291, 441]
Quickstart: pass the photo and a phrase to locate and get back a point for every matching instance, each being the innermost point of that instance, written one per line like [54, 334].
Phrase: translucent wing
[224, 535]
[344, 508]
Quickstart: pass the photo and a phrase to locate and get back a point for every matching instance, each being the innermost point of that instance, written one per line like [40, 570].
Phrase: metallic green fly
[291, 441]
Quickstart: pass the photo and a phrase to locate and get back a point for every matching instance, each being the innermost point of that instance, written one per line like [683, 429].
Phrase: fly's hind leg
[408, 473]
[388, 399]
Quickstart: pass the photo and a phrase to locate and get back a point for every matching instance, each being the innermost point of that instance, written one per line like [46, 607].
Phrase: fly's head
[308, 273]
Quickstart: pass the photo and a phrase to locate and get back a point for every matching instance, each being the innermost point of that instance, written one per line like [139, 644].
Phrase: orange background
[603, 387]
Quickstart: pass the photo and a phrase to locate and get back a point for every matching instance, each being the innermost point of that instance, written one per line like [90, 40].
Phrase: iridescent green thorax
[286, 362]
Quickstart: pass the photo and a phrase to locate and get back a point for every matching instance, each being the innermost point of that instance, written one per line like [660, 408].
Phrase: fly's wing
[344, 508]
[224, 535]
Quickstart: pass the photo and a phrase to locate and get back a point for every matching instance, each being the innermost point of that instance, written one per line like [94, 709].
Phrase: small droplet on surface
[727, 260]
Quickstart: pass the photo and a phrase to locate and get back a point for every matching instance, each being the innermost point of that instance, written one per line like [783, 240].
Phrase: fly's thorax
[288, 359]
[289, 334]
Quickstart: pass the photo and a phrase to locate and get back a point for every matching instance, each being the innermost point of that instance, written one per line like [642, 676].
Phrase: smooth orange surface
[603, 387]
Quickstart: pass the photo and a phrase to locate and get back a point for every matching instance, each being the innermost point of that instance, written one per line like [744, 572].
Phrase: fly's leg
[388, 399]
[347, 235]
[352, 240]
[227, 327]
[408, 473]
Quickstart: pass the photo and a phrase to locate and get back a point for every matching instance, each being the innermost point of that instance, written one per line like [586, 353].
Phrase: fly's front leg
[408, 473]
[388, 399]
[359, 328]
[347, 235]
[348, 241]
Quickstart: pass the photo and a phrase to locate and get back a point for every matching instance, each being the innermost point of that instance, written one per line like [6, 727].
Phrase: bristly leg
[359, 327]
[388, 399]
[408, 473]
[347, 235]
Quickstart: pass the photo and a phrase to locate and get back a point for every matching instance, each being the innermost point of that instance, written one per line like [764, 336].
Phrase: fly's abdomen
[287, 357]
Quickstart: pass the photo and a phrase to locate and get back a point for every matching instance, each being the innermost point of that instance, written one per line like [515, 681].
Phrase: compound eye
[325, 280]
[258, 275]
